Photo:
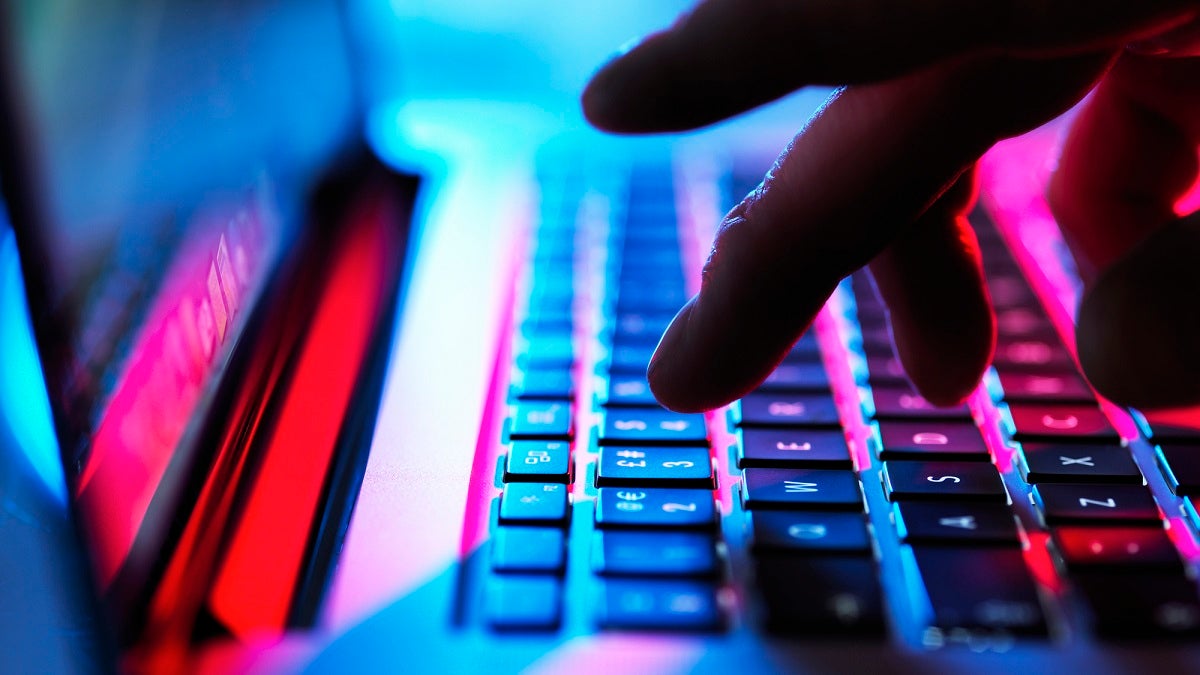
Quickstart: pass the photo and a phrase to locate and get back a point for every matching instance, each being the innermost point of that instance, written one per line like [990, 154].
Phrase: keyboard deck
[832, 500]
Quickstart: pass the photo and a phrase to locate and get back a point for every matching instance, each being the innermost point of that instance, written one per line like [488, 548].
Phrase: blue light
[24, 406]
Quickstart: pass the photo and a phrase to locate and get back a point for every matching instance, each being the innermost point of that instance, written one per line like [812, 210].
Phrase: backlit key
[801, 489]
[817, 448]
[764, 409]
[654, 508]
[954, 481]
[654, 467]
[1045, 422]
[550, 420]
[652, 426]
[931, 440]
[1096, 504]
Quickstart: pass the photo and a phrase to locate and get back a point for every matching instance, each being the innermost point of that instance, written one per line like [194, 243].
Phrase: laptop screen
[158, 158]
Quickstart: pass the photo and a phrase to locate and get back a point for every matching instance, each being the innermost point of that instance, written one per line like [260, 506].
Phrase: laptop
[343, 345]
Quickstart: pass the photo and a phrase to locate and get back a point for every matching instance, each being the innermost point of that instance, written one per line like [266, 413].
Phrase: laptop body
[409, 585]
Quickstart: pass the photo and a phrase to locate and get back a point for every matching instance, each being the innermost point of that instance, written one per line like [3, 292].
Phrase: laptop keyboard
[831, 500]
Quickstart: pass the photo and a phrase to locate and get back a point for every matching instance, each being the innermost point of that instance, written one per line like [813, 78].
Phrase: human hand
[882, 176]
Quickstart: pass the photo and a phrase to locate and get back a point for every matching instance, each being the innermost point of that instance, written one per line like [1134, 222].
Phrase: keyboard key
[630, 359]
[1096, 504]
[544, 385]
[549, 353]
[629, 389]
[1064, 387]
[987, 589]
[931, 440]
[1009, 290]
[636, 604]
[801, 489]
[810, 532]
[764, 409]
[1116, 548]
[1032, 356]
[954, 481]
[652, 426]
[1145, 606]
[634, 327]
[886, 371]
[817, 448]
[838, 595]
[542, 420]
[654, 467]
[1174, 426]
[1069, 463]
[654, 508]
[532, 603]
[673, 554]
[900, 403]
[1044, 422]
[961, 523]
[1180, 465]
[1023, 323]
[528, 549]
[533, 503]
[538, 462]
[795, 377]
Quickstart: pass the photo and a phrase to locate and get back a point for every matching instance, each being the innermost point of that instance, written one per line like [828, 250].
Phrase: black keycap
[900, 403]
[931, 440]
[544, 385]
[818, 448]
[1096, 504]
[629, 389]
[1180, 465]
[886, 371]
[525, 603]
[652, 426]
[533, 503]
[1049, 387]
[654, 467]
[654, 508]
[637, 604]
[1116, 548]
[951, 481]
[528, 549]
[765, 409]
[810, 531]
[956, 523]
[795, 377]
[982, 589]
[1032, 356]
[1130, 606]
[673, 554]
[1061, 423]
[818, 595]
[538, 461]
[1165, 426]
[549, 420]
[1069, 463]
[801, 489]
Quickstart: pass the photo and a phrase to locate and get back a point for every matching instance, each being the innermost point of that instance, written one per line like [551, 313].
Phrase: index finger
[869, 163]
[728, 56]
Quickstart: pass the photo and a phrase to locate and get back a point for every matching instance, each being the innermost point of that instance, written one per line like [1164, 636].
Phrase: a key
[951, 481]
[1069, 463]
[1129, 606]
[638, 604]
[629, 389]
[964, 523]
[1061, 423]
[764, 409]
[838, 595]
[534, 503]
[1096, 504]
[547, 353]
[671, 554]
[781, 448]
[654, 508]
[931, 440]
[900, 403]
[793, 377]
[980, 589]
[822, 489]
[1032, 356]
[524, 603]
[1180, 465]
[528, 549]
[630, 359]
[652, 426]
[1048, 387]
[1023, 323]
[886, 371]
[1116, 548]
[542, 420]
[648, 466]
[544, 385]
[538, 462]
[810, 531]
[1166, 426]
